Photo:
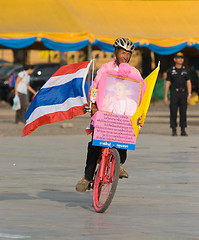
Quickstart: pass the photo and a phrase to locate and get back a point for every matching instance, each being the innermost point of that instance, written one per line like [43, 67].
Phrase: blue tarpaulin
[64, 47]
[17, 43]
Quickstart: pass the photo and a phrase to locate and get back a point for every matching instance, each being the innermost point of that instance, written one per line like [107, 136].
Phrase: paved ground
[38, 173]
[157, 122]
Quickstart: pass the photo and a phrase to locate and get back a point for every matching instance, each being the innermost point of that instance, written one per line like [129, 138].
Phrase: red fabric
[71, 68]
[53, 118]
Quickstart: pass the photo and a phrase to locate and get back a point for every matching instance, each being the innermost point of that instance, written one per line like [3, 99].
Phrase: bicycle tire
[102, 199]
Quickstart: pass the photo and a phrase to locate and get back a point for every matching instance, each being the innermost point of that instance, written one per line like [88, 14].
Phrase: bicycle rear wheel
[104, 189]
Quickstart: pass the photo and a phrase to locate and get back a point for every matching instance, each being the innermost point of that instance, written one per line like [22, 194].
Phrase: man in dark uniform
[178, 80]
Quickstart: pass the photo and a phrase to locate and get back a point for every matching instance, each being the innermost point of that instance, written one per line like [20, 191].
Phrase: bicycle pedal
[90, 185]
[86, 108]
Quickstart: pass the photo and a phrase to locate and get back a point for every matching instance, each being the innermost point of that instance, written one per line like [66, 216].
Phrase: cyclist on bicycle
[123, 51]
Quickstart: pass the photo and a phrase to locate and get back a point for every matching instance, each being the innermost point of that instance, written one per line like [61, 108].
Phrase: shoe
[123, 173]
[174, 133]
[82, 185]
[183, 132]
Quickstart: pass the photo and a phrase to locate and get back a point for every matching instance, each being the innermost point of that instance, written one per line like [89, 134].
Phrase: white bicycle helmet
[124, 43]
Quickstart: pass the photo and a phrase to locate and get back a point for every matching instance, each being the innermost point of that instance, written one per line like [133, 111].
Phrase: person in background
[22, 86]
[178, 80]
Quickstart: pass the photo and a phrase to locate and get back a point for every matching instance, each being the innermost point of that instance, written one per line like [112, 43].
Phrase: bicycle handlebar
[86, 108]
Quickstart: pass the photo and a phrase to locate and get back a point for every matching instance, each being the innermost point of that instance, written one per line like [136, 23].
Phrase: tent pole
[62, 57]
[89, 51]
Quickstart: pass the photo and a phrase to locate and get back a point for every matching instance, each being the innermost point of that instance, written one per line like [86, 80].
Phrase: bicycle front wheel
[104, 189]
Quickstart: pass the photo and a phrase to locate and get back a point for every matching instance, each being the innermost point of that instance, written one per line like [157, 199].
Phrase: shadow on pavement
[72, 199]
[15, 196]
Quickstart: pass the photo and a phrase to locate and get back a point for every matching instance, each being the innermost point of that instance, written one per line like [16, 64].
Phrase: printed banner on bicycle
[120, 98]
[114, 130]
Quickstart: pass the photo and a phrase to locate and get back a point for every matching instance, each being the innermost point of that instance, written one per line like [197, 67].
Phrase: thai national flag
[61, 98]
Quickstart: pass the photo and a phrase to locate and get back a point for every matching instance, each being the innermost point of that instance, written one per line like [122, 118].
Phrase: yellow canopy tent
[22, 23]
[162, 22]
[160, 25]
[41, 18]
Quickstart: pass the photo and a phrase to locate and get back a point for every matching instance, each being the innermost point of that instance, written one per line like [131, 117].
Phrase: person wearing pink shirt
[123, 51]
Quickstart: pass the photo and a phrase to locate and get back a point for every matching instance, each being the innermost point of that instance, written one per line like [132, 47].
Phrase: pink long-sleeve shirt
[107, 67]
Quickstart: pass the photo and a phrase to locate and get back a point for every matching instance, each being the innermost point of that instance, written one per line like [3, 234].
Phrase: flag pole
[83, 83]
[93, 69]
[84, 80]
[158, 66]
[92, 77]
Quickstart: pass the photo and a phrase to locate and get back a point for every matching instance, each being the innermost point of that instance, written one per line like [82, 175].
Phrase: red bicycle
[105, 179]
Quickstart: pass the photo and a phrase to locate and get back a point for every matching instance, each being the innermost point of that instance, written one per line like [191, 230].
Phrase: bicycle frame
[105, 152]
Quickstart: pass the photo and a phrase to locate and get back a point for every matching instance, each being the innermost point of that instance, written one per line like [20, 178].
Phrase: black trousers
[92, 157]
[178, 100]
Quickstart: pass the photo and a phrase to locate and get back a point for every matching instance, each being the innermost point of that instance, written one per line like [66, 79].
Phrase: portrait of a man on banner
[121, 95]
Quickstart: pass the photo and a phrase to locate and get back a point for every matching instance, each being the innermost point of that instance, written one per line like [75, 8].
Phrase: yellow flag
[138, 118]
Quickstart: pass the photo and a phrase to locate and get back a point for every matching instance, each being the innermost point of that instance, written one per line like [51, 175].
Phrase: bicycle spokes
[105, 186]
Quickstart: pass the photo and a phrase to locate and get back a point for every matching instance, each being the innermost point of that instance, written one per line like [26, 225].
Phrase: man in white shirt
[22, 86]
